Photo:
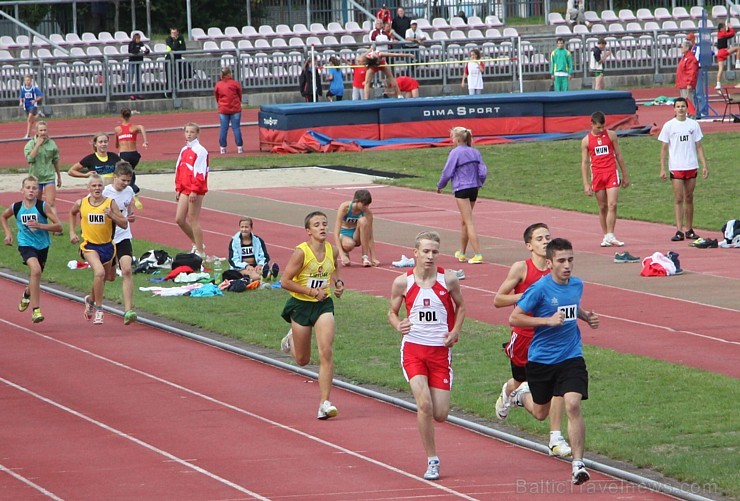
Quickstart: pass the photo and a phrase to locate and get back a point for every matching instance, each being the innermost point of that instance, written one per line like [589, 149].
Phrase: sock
[578, 462]
[554, 435]
[432, 459]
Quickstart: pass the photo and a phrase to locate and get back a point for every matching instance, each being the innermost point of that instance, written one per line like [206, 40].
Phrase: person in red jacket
[384, 14]
[228, 93]
[687, 73]
[191, 185]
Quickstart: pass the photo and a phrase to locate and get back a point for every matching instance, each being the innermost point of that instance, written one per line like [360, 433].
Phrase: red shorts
[723, 54]
[517, 348]
[603, 180]
[684, 174]
[434, 362]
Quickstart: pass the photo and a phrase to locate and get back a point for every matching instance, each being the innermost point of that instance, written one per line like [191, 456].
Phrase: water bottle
[217, 269]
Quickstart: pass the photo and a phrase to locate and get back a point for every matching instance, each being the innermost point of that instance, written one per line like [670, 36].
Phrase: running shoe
[677, 237]
[432, 472]
[89, 308]
[37, 316]
[366, 262]
[460, 274]
[560, 448]
[223, 151]
[477, 259]
[275, 270]
[327, 410]
[460, 256]
[515, 397]
[613, 240]
[718, 86]
[98, 317]
[130, 317]
[25, 301]
[502, 404]
[708, 243]
[265, 272]
[580, 475]
[404, 262]
[690, 234]
[674, 257]
[625, 257]
[697, 242]
[286, 342]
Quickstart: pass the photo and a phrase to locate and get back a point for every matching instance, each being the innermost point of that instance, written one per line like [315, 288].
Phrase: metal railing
[111, 76]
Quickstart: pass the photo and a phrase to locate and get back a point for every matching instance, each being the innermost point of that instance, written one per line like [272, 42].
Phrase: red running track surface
[114, 412]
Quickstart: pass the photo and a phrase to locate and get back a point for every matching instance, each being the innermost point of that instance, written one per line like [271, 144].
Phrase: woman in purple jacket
[466, 169]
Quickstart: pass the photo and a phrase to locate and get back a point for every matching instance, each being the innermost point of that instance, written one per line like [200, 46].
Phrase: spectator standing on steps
[228, 94]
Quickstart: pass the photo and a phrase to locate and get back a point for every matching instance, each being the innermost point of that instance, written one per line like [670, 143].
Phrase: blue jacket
[261, 256]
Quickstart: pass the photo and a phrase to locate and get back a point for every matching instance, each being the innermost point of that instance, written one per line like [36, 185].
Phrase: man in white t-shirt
[123, 194]
[681, 138]
[414, 34]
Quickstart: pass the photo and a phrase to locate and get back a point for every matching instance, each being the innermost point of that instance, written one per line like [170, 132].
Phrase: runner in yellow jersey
[98, 218]
[307, 277]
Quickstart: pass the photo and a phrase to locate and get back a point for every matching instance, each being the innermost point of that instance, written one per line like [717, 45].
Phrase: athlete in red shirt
[600, 149]
[725, 34]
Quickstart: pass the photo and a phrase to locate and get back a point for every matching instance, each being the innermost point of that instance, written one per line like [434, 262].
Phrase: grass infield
[679, 421]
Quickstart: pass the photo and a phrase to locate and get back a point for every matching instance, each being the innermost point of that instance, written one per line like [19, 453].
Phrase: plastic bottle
[217, 269]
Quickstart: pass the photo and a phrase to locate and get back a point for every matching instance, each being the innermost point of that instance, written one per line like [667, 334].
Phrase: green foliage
[667, 417]
[33, 14]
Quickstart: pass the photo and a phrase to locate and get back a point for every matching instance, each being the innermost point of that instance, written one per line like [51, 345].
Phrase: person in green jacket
[561, 66]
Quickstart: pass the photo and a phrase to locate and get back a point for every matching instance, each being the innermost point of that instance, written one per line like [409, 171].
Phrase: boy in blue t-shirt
[555, 366]
[35, 219]
[30, 97]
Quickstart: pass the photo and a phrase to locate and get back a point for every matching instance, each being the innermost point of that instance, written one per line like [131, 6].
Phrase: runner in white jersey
[123, 194]
[681, 138]
[435, 314]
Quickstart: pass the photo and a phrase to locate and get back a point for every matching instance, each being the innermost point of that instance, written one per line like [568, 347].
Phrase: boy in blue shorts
[556, 367]
[35, 219]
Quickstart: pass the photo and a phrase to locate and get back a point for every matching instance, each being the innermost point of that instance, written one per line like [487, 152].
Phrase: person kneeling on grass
[354, 226]
[248, 253]
[35, 219]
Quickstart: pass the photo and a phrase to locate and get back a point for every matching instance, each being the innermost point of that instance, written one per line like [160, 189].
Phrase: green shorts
[306, 312]
[598, 73]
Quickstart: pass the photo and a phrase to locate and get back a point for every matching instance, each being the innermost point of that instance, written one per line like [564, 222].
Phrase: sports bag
[190, 259]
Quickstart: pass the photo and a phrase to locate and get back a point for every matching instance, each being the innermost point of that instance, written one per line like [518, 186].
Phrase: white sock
[554, 436]
[433, 458]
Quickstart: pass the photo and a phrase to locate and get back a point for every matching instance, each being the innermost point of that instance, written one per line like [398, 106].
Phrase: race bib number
[427, 317]
[570, 312]
[317, 283]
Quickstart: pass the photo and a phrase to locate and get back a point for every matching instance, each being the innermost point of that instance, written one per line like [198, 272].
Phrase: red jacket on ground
[228, 95]
[687, 72]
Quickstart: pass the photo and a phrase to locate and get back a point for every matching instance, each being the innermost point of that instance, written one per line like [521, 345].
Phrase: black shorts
[469, 193]
[28, 252]
[123, 248]
[131, 157]
[518, 372]
[555, 380]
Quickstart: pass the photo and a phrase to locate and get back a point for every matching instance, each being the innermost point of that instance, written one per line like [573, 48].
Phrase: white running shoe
[327, 410]
[613, 240]
[515, 397]
[718, 86]
[580, 475]
[460, 274]
[404, 262]
[560, 448]
[502, 404]
[223, 151]
[432, 472]
[98, 317]
[286, 342]
[239, 150]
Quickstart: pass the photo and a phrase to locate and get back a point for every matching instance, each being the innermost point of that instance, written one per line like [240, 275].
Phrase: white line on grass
[217, 402]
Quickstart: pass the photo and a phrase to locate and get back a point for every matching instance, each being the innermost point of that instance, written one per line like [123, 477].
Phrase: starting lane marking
[214, 401]
[28, 482]
[130, 438]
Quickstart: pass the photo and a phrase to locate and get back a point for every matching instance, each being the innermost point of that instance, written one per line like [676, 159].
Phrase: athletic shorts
[603, 180]
[468, 193]
[106, 252]
[35, 111]
[347, 232]
[684, 174]
[723, 54]
[598, 73]
[517, 349]
[434, 362]
[306, 313]
[555, 380]
[123, 248]
[27, 252]
[188, 192]
[131, 157]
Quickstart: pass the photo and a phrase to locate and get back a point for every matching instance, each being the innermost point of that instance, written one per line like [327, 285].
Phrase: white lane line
[671, 329]
[132, 439]
[26, 481]
[220, 403]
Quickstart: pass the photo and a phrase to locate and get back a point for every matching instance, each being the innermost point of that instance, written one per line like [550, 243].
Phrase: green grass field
[676, 420]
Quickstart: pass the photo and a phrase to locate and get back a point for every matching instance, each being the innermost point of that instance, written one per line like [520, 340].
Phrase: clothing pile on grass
[661, 101]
